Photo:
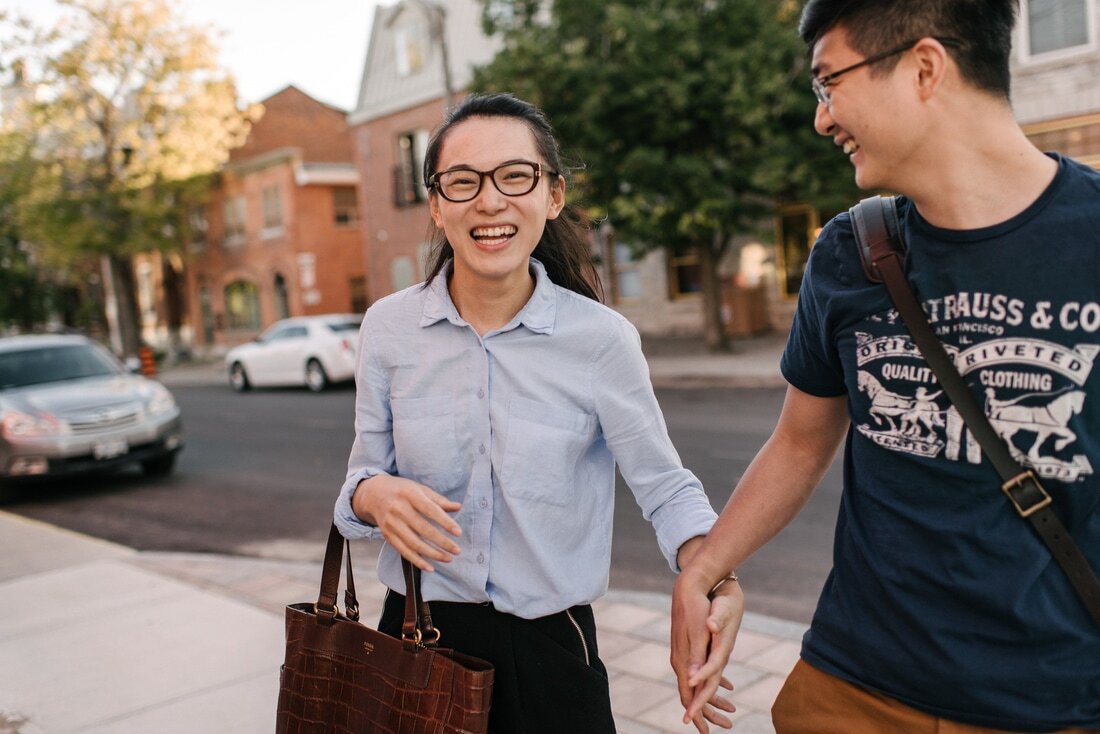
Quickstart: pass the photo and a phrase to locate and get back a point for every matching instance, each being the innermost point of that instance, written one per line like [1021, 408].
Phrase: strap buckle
[1026, 493]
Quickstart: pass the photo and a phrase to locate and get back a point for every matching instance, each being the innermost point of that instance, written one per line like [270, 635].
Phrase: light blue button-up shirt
[523, 427]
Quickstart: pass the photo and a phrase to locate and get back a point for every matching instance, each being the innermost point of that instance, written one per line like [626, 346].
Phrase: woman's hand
[412, 517]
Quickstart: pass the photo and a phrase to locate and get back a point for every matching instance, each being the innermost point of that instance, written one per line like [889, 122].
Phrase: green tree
[130, 108]
[692, 118]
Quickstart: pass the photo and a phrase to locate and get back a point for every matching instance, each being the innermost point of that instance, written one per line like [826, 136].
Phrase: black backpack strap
[877, 232]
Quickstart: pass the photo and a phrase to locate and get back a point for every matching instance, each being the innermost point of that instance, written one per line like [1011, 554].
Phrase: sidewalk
[673, 363]
[96, 638]
[100, 639]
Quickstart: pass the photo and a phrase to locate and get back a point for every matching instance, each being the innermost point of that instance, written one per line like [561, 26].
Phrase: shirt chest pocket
[425, 442]
[543, 447]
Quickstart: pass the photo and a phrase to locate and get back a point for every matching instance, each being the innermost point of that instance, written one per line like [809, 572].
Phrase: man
[944, 611]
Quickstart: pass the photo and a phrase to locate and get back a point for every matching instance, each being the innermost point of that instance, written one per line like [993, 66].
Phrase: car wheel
[159, 466]
[238, 378]
[316, 379]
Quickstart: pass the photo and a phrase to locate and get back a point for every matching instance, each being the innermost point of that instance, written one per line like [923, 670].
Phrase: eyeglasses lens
[511, 179]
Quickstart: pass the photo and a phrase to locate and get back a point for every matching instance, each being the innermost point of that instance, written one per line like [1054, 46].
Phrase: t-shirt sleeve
[810, 360]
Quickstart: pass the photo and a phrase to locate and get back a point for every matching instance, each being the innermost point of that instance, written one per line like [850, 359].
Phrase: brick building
[279, 235]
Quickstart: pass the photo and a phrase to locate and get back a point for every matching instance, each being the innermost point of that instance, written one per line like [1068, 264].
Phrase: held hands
[703, 633]
[412, 517]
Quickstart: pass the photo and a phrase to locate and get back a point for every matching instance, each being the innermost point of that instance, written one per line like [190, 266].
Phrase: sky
[318, 46]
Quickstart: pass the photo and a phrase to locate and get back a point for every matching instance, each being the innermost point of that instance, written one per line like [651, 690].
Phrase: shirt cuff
[681, 529]
[347, 522]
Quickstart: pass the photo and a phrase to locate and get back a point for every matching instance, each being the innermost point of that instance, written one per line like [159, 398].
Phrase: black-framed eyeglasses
[513, 178]
[821, 84]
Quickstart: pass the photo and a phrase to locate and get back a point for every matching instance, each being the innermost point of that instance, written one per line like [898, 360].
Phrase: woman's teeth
[492, 233]
[850, 147]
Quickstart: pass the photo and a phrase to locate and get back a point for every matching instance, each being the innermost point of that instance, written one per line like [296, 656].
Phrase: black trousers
[549, 677]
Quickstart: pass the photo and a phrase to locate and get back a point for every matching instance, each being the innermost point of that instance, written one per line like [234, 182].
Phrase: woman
[492, 404]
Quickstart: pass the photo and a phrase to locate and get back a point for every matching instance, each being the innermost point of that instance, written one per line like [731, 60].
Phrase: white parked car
[314, 351]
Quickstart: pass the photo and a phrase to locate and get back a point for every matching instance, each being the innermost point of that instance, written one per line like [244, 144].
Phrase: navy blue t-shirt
[940, 595]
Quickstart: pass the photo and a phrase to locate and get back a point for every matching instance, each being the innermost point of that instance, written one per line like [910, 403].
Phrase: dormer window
[410, 46]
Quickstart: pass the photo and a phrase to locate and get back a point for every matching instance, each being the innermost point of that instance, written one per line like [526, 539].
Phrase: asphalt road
[260, 472]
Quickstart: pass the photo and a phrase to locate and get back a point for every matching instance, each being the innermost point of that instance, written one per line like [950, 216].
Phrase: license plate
[109, 449]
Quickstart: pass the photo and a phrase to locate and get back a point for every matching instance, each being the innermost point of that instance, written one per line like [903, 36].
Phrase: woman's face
[493, 235]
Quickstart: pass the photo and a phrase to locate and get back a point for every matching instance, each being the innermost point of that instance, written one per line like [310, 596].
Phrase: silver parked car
[304, 350]
[67, 405]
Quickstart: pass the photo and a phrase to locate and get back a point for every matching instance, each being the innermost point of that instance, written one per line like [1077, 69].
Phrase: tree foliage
[129, 109]
[692, 118]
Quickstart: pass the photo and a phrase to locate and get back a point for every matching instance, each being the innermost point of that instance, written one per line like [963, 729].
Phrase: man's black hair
[983, 27]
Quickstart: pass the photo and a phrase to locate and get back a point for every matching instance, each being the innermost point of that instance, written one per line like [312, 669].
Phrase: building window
[402, 274]
[234, 220]
[796, 229]
[198, 226]
[282, 297]
[626, 277]
[345, 206]
[357, 288]
[409, 45]
[408, 174]
[1056, 25]
[685, 276]
[242, 305]
[272, 204]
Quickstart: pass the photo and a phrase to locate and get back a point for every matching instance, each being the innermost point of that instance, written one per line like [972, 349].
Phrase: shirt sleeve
[372, 451]
[810, 362]
[671, 497]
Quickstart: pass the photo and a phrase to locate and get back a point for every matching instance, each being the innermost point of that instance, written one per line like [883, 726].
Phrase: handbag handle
[879, 241]
[416, 630]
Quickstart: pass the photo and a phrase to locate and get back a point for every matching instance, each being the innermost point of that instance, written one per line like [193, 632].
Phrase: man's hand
[412, 517]
[703, 633]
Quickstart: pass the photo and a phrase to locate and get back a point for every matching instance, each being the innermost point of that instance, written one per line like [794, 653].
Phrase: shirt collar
[538, 314]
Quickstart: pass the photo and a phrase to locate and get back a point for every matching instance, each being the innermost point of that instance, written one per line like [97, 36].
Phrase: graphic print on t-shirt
[1031, 388]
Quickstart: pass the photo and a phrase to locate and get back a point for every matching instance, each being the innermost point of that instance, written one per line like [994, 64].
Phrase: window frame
[1091, 44]
[408, 169]
[675, 261]
[350, 211]
[236, 231]
[271, 211]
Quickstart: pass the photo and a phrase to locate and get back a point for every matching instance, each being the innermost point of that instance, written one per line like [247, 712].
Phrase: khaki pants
[812, 702]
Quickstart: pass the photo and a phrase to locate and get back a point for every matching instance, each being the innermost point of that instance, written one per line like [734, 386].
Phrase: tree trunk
[173, 306]
[125, 298]
[713, 328]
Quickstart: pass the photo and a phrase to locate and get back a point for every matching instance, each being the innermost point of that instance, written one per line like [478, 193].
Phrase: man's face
[864, 114]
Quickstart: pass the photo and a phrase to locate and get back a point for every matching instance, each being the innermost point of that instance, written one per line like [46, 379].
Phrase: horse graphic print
[1031, 390]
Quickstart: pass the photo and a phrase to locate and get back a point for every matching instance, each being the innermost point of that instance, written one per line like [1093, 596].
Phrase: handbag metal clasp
[1025, 502]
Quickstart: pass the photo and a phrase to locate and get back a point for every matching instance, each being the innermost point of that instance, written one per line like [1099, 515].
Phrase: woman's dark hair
[565, 247]
[983, 27]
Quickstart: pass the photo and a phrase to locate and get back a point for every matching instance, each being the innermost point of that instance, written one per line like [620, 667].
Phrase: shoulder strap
[881, 251]
[878, 235]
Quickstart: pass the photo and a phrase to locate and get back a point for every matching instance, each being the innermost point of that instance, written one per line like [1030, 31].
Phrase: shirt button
[483, 503]
[480, 393]
[481, 449]
[481, 558]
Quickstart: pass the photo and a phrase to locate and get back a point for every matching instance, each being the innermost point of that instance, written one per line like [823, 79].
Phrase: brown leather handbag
[342, 677]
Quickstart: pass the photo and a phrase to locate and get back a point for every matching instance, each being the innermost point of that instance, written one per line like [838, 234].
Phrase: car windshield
[41, 365]
[339, 326]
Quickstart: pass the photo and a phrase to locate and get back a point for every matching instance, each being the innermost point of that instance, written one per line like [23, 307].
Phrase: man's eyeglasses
[514, 178]
[821, 83]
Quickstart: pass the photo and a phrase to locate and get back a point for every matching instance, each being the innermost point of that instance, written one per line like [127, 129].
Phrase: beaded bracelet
[731, 577]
